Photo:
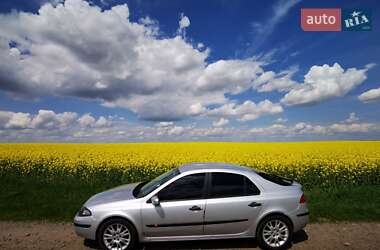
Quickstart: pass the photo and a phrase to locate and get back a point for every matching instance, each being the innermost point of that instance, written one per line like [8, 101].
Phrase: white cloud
[353, 127]
[184, 22]
[197, 109]
[370, 95]
[102, 122]
[163, 129]
[247, 111]
[352, 118]
[273, 129]
[47, 119]
[216, 131]
[325, 82]
[176, 130]
[86, 120]
[115, 61]
[303, 128]
[12, 120]
[220, 123]
[47, 125]
[229, 76]
[281, 120]
[164, 124]
[77, 49]
[270, 81]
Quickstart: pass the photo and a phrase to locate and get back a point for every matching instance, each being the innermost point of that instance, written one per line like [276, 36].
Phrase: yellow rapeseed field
[324, 164]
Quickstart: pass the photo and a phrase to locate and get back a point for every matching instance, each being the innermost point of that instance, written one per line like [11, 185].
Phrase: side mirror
[155, 201]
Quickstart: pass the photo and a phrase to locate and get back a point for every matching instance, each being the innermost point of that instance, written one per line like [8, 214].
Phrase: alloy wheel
[275, 233]
[116, 237]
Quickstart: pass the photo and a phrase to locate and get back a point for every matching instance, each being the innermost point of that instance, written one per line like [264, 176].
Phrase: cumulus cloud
[48, 125]
[370, 95]
[281, 120]
[270, 81]
[353, 127]
[102, 122]
[184, 22]
[220, 123]
[303, 128]
[247, 111]
[87, 120]
[77, 49]
[164, 124]
[12, 120]
[325, 82]
[352, 118]
[229, 76]
[270, 130]
[168, 129]
[48, 120]
[176, 130]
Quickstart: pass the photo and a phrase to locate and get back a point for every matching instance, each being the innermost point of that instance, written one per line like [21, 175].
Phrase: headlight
[84, 211]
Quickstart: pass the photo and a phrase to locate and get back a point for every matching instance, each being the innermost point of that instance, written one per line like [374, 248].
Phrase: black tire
[132, 232]
[260, 236]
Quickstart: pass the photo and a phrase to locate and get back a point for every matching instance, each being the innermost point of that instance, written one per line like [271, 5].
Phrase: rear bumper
[300, 221]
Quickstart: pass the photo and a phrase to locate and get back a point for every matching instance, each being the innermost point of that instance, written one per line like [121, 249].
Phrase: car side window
[231, 185]
[189, 187]
[251, 188]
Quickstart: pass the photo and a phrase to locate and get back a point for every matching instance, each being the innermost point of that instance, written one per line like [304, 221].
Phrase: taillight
[303, 199]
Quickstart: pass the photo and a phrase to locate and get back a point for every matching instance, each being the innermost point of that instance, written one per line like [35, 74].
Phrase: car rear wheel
[117, 234]
[274, 232]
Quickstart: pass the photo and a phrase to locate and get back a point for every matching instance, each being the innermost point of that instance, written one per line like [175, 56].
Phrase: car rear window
[276, 179]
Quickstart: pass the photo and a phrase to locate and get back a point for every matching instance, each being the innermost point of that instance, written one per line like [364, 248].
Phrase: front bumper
[85, 227]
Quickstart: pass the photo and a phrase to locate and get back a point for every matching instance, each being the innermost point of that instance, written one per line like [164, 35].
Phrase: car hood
[120, 193]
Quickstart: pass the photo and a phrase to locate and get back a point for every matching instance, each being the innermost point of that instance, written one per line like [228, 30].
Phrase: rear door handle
[254, 204]
[195, 208]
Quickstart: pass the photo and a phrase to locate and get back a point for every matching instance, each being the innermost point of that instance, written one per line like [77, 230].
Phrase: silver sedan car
[193, 202]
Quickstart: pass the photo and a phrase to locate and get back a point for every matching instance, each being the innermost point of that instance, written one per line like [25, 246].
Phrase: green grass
[359, 203]
[28, 198]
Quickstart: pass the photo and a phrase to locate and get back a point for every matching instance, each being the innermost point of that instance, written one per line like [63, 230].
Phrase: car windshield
[155, 183]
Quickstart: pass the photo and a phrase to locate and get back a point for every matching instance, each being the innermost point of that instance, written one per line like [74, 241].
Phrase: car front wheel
[274, 233]
[117, 234]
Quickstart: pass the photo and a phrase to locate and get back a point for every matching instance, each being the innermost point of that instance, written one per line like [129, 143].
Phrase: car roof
[213, 166]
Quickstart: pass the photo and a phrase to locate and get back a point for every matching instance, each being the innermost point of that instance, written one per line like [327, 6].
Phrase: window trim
[204, 190]
[209, 180]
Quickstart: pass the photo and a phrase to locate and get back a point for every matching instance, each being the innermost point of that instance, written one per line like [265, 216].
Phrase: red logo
[321, 19]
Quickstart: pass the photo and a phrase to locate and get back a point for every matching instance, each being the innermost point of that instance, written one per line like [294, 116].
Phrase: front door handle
[254, 204]
[195, 208]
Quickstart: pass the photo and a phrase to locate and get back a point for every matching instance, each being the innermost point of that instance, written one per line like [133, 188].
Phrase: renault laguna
[193, 202]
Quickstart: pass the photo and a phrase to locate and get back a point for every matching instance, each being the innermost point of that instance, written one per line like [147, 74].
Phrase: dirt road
[46, 236]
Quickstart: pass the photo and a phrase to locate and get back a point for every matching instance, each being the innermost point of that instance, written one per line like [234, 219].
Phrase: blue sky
[119, 71]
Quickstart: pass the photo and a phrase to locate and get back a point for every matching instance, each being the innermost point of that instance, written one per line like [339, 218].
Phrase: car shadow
[298, 237]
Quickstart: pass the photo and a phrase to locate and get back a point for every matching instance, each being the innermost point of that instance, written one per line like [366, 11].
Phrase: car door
[181, 208]
[232, 205]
